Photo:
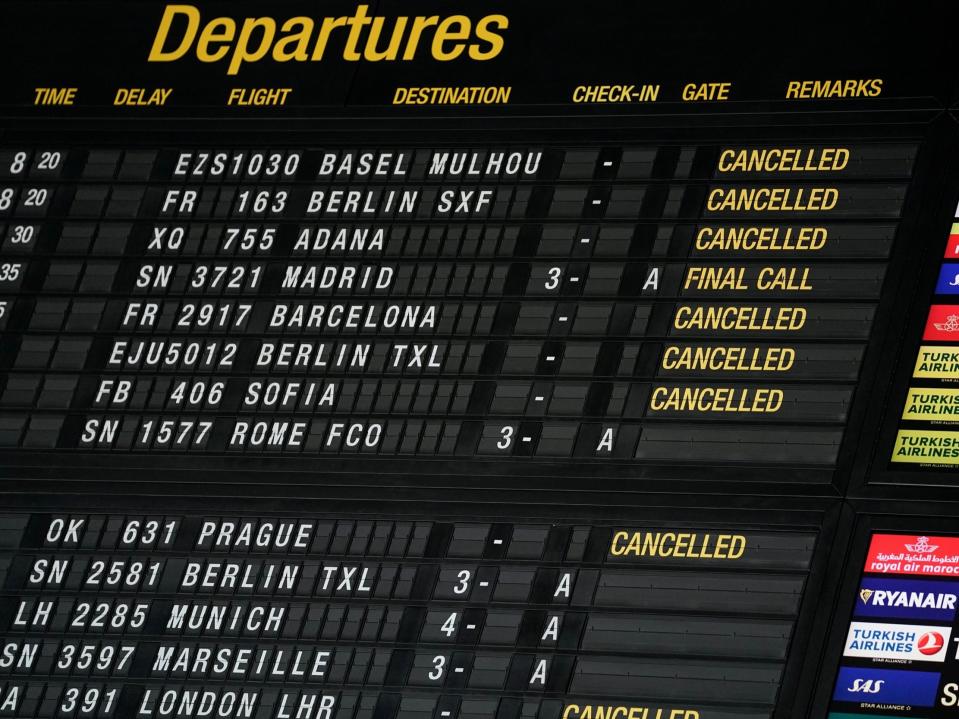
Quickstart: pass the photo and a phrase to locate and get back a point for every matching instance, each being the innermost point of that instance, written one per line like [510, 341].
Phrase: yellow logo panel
[937, 362]
[932, 405]
[926, 447]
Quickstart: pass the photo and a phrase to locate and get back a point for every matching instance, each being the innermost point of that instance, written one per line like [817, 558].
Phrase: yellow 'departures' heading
[357, 37]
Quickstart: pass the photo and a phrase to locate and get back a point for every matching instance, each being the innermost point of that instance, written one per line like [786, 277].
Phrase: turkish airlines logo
[883, 642]
[930, 643]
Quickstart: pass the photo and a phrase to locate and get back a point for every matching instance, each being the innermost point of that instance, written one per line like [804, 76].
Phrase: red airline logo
[943, 323]
[911, 554]
[930, 643]
[952, 247]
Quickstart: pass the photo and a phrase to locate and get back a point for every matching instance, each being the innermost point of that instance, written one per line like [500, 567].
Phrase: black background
[98, 46]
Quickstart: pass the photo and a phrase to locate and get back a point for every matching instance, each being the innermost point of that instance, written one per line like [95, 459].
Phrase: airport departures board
[488, 360]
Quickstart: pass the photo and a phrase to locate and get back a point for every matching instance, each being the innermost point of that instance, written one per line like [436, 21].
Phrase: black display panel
[429, 361]
[917, 433]
[141, 612]
[620, 304]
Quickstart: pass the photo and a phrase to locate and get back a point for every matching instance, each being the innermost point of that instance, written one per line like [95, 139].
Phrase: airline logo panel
[897, 641]
[927, 438]
[907, 599]
[900, 654]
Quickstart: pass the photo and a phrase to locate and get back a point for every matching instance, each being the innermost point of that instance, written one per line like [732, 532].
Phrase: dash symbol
[537, 398]
[444, 714]
[564, 318]
[608, 163]
[471, 626]
[497, 541]
[527, 439]
[550, 358]
[458, 670]
[597, 202]
[585, 240]
[484, 584]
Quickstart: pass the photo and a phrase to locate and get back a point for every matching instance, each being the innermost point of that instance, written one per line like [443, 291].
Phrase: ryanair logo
[908, 599]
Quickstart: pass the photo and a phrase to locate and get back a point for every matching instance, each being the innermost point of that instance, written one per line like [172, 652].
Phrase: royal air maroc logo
[950, 325]
[922, 545]
[943, 323]
[913, 554]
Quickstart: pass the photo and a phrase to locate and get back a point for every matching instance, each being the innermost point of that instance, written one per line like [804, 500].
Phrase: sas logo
[897, 641]
[867, 686]
[948, 283]
[886, 686]
[907, 599]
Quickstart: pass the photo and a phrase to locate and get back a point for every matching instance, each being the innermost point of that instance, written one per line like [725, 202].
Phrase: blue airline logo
[948, 283]
[886, 686]
[907, 599]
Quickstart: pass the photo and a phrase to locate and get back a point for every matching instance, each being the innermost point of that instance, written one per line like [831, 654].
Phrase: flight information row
[263, 280]
[412, 538]
[687, 692]
[187, 658]
[418, 397]
[609, 162]
[692, 319]
[109, 238]
[575, 580]
[880, 200]
[779, 403]
[506, 438]
[442, 620]
[612, 358]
